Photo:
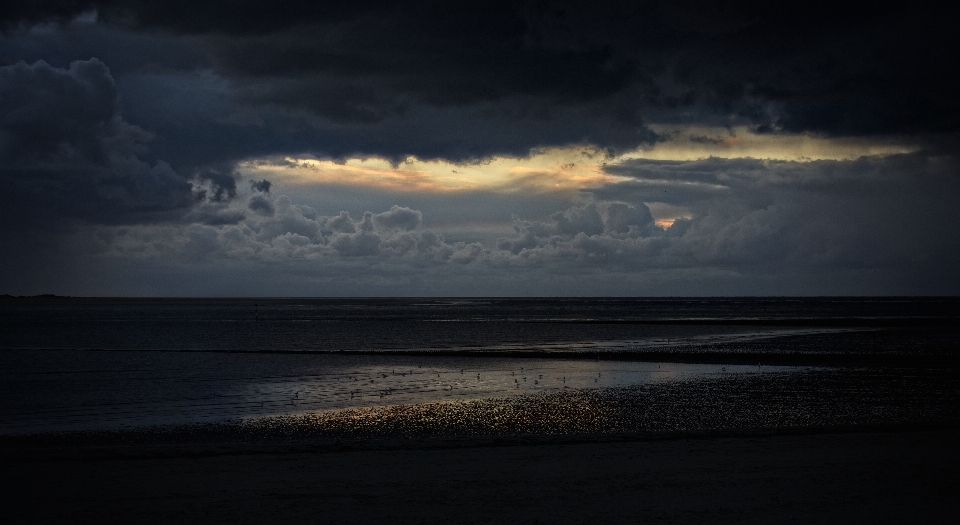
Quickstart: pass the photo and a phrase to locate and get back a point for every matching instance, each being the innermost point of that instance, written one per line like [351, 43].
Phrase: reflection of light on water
[381, 384]
[284, 385]
[665, 343]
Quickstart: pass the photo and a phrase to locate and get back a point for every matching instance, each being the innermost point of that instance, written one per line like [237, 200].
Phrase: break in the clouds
[372, 148]
[780, 226]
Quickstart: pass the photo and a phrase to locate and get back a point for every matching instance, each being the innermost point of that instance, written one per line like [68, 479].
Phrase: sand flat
[891, 476]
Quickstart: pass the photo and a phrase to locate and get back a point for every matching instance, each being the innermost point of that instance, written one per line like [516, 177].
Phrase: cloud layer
[126, 128]
[755, 227]
[442, 80]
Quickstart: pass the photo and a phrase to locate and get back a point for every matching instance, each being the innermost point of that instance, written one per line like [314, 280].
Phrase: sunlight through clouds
[562, 169]
[551, 170]
[700, 142]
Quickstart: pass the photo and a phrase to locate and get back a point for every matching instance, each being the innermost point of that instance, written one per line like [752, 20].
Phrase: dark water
[411, 324]
[81, 364]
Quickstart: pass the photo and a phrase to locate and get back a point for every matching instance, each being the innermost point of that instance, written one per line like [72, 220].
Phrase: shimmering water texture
[78, 390]
[814, 398]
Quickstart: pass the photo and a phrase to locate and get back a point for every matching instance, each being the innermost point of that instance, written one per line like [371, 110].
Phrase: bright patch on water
[73, 390]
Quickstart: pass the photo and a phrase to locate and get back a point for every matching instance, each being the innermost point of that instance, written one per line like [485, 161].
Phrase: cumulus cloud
[280, 230]
[874, 224]
[869, 213]
[261, 205]
[622, 218]
[398, 218]
[341, 223]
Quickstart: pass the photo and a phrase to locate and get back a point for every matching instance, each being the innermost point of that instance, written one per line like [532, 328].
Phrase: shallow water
[55, 390]
[88, 364]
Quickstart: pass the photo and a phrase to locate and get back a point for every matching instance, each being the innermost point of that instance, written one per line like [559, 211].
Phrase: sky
[508, 148]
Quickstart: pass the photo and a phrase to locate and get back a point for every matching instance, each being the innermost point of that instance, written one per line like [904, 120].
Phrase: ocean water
[89, 364]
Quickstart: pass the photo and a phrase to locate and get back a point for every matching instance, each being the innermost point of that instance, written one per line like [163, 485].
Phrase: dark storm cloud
[260, 185]
[457, 81]
[65, 151]
[222, 184]
[124, 51]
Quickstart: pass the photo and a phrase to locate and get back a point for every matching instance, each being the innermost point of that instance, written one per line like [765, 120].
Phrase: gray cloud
[261, 205]
[622, 218]
[871, 212]
[398, 218]
[870, 217]
[463, 82]
[775, 233]
[134, 168]
[67, 153]
[260, 185]
[214, 214]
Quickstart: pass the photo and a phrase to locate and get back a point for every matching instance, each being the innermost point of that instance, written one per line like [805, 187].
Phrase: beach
[824, 445]
[877, 475]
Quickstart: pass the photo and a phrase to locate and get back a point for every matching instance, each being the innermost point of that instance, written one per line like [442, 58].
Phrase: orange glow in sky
[562, 169]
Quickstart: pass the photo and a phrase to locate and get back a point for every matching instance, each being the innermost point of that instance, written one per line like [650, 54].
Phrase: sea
[98, 364]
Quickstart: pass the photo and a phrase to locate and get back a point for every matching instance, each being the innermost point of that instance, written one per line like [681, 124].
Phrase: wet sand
[883, 475]
[825, 446]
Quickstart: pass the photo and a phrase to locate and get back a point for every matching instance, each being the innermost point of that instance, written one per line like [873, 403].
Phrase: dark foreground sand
[881, 475]
[845, 446]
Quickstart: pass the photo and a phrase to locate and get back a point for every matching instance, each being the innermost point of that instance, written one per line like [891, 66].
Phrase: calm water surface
[113, 363]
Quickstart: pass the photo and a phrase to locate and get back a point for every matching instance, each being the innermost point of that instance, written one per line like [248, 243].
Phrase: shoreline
[813, 399]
